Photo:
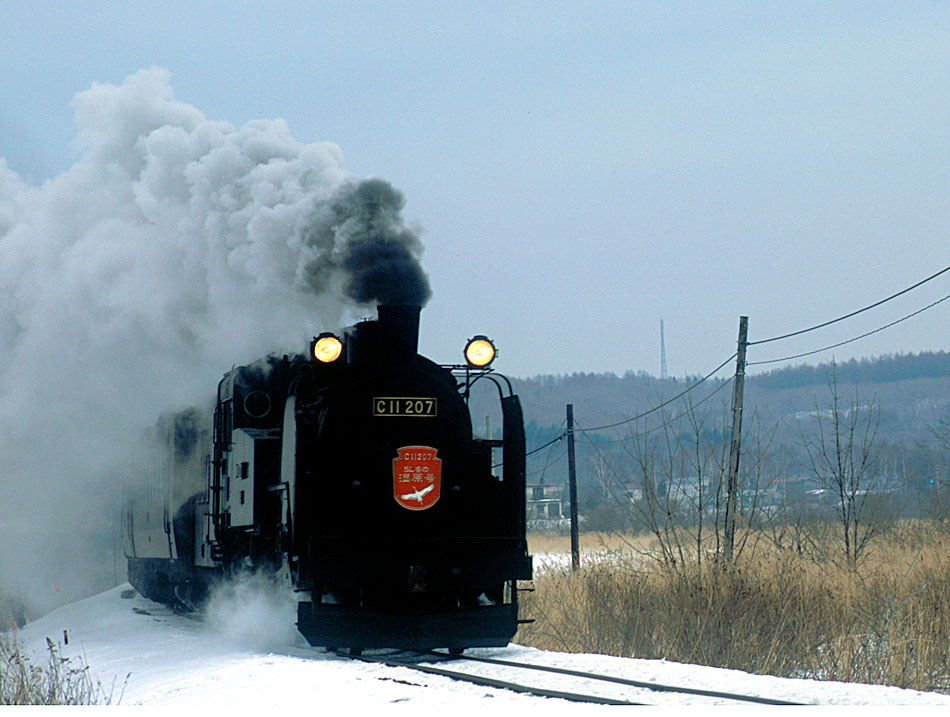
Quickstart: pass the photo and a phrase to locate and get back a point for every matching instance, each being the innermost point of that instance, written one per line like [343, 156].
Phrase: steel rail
[490, 682]
[656, 687]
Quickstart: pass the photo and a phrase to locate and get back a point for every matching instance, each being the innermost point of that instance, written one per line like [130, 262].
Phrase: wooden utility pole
[733, 480]
[572, 486]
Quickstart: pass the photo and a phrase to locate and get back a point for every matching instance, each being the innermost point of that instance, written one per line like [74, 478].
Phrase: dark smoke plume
[378, 253]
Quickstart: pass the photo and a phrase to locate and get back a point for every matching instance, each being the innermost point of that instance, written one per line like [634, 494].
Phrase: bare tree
[935, 479]
[941, 432]
[670, 480]
[842, 451]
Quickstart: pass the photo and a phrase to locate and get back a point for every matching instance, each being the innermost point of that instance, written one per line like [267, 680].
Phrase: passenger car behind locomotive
[355, 470]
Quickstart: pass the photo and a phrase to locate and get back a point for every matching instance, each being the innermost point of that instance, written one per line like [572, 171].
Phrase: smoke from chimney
[380, 254]
[174, 248]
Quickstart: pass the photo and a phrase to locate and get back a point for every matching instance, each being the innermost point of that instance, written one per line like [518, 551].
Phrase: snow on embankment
[154, 656]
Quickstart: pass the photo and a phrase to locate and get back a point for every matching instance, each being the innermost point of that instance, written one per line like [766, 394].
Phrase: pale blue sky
[580, 170]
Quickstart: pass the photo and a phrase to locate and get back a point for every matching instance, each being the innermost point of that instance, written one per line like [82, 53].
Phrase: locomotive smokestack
[399, 329]
[394, 335]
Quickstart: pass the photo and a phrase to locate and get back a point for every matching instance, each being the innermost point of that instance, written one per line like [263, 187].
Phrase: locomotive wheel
[456, 651]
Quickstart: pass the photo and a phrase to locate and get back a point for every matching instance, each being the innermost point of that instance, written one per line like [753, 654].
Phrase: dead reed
[60, 681]
[778, 612]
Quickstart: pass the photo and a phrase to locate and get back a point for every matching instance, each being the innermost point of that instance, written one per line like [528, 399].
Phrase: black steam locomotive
[355, 471]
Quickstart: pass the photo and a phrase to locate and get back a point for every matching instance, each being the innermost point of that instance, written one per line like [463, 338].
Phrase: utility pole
[733, 480]
[572, 486]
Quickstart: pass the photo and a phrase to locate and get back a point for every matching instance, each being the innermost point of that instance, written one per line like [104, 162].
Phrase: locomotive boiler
[354, 471]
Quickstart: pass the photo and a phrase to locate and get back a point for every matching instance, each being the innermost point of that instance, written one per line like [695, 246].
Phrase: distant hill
[912, 392]
[915, 388]
[885, 369]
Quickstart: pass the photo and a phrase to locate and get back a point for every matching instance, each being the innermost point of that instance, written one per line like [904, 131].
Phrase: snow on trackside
[249, 660]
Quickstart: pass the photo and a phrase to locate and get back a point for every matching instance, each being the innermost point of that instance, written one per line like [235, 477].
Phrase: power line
[691, 408]
[548, 463]
[645, 413]
[670, 422]
[603, 460]
[541, 448]
[853, 313]
[577, 429]
[856, 338]
[658, 407]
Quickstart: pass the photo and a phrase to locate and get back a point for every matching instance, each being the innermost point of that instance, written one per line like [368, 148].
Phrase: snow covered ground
[242, 656]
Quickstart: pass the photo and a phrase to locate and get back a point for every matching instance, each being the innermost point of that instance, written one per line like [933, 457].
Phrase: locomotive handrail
[501, 395]
[467, 371]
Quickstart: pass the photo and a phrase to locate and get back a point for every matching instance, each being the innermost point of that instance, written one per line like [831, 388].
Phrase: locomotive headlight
[479, 351]
[326, 348]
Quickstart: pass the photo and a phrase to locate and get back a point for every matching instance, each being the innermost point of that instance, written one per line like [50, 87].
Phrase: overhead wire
[549, 443]
[547, 457]
[609, 466]
[671, 421]
[853, 313]
[603, 459]
[578, 429]
[548, 463]
[554, 440]
[727, 382]
[661, 405]
[856, 338]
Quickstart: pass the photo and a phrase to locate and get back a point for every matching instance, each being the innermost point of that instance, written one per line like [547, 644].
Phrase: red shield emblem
[417, 477]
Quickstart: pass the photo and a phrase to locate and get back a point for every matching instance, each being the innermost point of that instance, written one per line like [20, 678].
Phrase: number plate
[405, 407]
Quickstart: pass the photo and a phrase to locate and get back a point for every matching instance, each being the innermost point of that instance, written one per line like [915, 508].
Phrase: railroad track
[430, 662]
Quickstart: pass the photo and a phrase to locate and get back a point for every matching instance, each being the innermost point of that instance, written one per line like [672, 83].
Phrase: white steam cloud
[174, 248]
[255, 610]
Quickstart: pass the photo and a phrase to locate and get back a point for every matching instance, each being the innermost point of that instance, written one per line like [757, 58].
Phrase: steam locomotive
[354, 470]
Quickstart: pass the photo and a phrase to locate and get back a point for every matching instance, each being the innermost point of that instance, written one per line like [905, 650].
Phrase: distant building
[795, 490]
[632, 492]
[545, 501]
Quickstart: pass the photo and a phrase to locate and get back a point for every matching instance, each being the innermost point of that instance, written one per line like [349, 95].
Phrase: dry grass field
[776, 611]
[57, 682]
[539, 543]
